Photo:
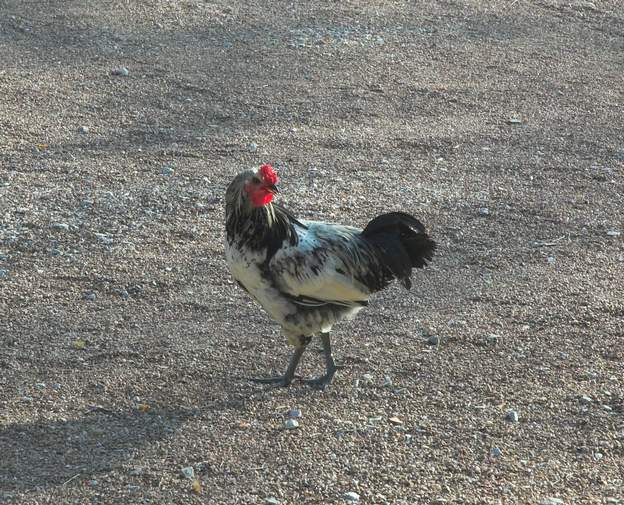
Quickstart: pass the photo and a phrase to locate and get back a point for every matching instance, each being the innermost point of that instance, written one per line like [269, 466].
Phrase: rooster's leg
[286, 379]
[330, 366]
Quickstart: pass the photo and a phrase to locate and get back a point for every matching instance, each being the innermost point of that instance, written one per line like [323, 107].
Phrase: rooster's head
[253, 187]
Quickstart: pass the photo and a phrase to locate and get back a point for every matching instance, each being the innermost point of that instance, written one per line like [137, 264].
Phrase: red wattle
[260, 197]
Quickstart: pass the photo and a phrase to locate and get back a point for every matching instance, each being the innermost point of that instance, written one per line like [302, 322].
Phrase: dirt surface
[125, 347]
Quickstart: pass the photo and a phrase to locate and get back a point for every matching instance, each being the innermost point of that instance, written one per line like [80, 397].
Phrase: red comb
[268, 174]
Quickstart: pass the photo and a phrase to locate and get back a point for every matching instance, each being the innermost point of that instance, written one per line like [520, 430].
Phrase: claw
[279, 380]
[319, 383]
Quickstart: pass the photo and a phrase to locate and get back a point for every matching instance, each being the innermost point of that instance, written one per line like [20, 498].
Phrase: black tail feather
[403, 244]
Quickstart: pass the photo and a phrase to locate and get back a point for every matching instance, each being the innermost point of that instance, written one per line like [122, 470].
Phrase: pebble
[3, 273]
[496, 452]
[512, 416]
[105, 239]
[351, 496]
[83, 129]
[395, 420]
[586, 399]
[367, 378]
[122, 71]
[433, 340]
[387, 381]
[60, 226]
[188, 472]
[294, 413]
[40, 386]
[291, 424]
[607, 408]
[492, 338]
[252, 146]
[167, 171]
[93, 482]
[551, 260]
[133, 488]
[484, 211]
[56, 386]
[90, 296]
[271, 500]
[613, 233]
[514, 120]
[551, 501]
[122, 293]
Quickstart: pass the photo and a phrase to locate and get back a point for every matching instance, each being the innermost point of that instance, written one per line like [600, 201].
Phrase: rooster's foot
[278, 380]
[324, 380]
[289, 375]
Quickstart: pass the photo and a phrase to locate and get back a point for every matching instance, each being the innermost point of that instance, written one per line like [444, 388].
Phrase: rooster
[309, 275]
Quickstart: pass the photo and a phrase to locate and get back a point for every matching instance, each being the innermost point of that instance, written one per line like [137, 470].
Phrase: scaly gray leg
[286, 379]
[330, 367]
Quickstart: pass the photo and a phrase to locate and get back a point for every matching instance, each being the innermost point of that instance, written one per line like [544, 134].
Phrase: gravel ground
[125, 347]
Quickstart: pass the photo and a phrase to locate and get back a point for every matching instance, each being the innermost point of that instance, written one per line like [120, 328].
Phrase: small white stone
[586, 399]
[60, 226]
[122, 71]
[295, 413]
[551, 260]
[496, 452]
[433, 340]
[512, 416]
[271, 500]
[291, 424]
[188, 472]
[368, 378]
[252, 146]
[83, 129]
[387, 381]
[167, 171]
[351, 496]
[492, 338]
[3, 273]
[551, 501]
[40, 386]
[484, 211]
[613, 233]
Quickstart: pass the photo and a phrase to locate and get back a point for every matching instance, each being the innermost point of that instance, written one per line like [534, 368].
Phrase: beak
[273, 188]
